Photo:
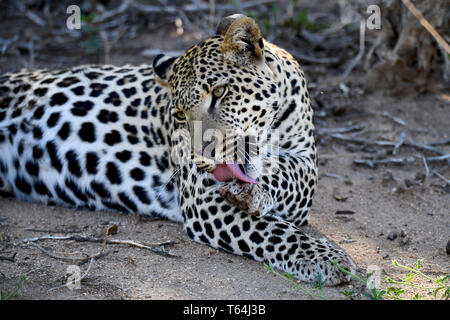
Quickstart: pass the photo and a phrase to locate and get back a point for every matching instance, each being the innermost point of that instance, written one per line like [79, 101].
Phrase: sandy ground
[383, 201]
[204, 273]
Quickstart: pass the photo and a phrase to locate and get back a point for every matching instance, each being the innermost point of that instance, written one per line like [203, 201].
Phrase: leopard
[123, 139]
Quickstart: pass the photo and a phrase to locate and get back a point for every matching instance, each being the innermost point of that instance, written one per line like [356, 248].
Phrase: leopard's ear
[242, 43]
[226, 22]
[162, 66]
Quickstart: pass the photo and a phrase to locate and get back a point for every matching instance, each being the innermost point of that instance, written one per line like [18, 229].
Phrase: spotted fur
[102, 138]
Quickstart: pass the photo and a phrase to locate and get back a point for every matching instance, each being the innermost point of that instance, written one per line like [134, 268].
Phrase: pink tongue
[229, 171]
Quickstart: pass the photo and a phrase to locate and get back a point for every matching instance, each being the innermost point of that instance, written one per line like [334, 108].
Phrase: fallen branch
[400, 142]
[200, 6]
[310, 59]
[53, 231]
[408, 142]
[395, 119]
[35, 18]
[77, 238]
[440, 158]
[447, 181]
[91, 262]
[155, 52]
[12, 258]
[324, 131]
[334, 176]
[398, 161]
[427, 25]
[67, 256]
[5, 44]
[111, 13]
[423, 146]
[427, 170]
[440, 143]
[395, 161]
[362, 40]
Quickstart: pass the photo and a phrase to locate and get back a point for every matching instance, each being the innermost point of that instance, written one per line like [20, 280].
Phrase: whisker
[163, 188]
[246, 159]
[184, 183]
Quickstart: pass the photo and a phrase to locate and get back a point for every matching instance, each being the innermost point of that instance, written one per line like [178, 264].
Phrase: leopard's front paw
[325, 262]
[251, 198]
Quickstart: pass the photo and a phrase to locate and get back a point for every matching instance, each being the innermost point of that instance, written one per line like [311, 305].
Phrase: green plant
[93, 41]
[319, 283]
[291, 279]
[373, 293]
[348, 293]
[16, 291]
[439, 288]
[250, 14]
[302, 19]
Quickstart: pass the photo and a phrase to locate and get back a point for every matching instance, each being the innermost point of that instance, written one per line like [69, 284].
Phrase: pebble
[348, 241]
[392, 236]
[405, 240]
[344, 212]
[345, 218]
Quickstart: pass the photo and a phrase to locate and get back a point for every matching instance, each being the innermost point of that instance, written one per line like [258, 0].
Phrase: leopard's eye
[180, 116]
[219, 92]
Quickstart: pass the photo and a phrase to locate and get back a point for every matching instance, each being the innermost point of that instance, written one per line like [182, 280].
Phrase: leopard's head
[226, 94]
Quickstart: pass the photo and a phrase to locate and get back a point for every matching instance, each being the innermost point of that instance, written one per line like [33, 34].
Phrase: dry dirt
[381, 202]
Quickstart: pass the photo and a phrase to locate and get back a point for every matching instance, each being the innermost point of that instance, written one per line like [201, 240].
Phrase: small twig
[396, 161]
[155, 52]
[212, 13]
[324, 131]
[194, 7]
[440, 158]
[12, 258]
[111, 13]
[52, 231]
[447, 181]
[64, 256]
[427, 25]
[186, 22]
[147, 246]
[35, 18]
[400, 141]
[141, 245]
[362, 40]
[316, 60]
[427, 170]
[439, 143]
[108, 45]
[47, 237]
[334, 176]
[91, 262]
[8, 42]
[422, 146]
[395, 119]
[345, 138]
[31, 54]
[408, 143]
